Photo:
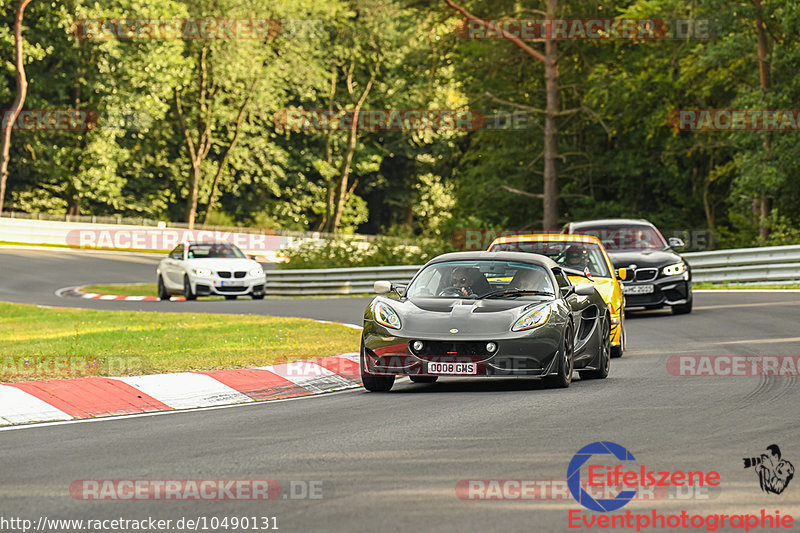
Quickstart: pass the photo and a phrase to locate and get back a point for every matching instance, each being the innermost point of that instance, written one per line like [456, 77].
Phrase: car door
[173, 267]
[584, 313]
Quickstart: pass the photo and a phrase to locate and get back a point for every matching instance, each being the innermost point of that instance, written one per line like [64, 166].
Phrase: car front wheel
[187, 289]
[566, 362]
[683, 309]
[162, 290]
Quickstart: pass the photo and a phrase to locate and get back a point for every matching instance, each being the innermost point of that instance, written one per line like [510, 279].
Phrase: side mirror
[622, 274]
[401, 289]
[675, 242]
[584, 289]
[382, 287]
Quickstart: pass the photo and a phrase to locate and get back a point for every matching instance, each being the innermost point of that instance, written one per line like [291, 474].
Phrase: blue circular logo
[574, 476]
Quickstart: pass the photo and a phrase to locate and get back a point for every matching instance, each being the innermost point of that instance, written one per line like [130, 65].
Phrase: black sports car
[485, 314]
[653, 274]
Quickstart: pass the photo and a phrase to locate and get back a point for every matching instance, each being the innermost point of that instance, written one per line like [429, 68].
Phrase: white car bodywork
[195, 269]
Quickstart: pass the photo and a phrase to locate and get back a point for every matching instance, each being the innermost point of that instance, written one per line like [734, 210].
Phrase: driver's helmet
[576, 258]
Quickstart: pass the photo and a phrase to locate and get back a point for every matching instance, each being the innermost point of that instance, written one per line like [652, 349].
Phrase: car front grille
[239, 274]
[446, 350]
[231, 289]
[223, 274]
[646, 274]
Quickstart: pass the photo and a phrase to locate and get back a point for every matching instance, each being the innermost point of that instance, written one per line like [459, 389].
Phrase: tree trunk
[228, 150]
[550, 61]
[766, 83]
[550, 201]
[344, 173]
[22, 91]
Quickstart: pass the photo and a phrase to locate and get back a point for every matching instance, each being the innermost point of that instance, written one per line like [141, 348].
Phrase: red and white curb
[71, 399]
[76, 292]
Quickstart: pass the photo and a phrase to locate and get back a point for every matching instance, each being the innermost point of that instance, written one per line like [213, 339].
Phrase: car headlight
[257, 272]
[674, 270]
[532, 319]
[386, 316]
[201, 271]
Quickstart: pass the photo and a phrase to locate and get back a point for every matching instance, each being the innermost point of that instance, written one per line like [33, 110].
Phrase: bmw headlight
[201, 271]
[257, 272]
[386, 316]
[674, 270]
[532, 319]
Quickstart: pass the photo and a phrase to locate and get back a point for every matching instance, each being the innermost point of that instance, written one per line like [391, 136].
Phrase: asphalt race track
[33, 276]
[391, 462]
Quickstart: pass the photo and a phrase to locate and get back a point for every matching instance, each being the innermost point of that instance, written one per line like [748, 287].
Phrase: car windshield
[620, 238]
[214, 251]
[574, 255]
[481, 279]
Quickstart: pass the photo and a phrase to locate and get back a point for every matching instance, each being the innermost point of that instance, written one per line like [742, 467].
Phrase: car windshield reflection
[482, 279]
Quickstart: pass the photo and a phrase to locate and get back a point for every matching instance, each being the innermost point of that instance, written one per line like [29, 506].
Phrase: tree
[10, 117]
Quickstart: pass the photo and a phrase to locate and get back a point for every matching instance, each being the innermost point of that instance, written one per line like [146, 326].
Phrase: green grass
[729, 286]
[123, 289]
[92, 342]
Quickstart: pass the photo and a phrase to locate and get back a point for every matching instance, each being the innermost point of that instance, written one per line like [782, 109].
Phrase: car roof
[611, 222]
[544, 237]
[520, 257]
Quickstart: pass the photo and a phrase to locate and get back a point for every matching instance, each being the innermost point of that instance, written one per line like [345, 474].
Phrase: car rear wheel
[566, 362]
[423, 379]
[683, 309]
[603, 355]
[162, 290]
[187, 289]
[230, 296]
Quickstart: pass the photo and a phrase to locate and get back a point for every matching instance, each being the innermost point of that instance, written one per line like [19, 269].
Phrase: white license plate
[637, 289]
[453, 368]
[232, 283]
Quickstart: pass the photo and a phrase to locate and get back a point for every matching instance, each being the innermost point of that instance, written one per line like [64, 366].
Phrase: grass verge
[123, 289]
[62, 343]
[743, 286]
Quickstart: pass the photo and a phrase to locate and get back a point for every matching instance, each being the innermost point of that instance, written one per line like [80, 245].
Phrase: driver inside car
[461, 280]
[576, 259]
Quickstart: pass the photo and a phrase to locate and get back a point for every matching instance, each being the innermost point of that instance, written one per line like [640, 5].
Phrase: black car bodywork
[648, 284]
[445, 335]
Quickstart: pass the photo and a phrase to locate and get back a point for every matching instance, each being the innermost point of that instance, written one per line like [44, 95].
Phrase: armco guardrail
[333, 281]
[745, 265]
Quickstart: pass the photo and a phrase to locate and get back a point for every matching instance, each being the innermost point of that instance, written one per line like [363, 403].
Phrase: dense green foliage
[618, 156]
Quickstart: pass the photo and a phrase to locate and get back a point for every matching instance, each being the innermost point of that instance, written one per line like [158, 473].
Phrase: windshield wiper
[514, 292]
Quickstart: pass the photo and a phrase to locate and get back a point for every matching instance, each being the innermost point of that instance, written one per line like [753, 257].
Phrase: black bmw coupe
[653, 274]
[471, 314]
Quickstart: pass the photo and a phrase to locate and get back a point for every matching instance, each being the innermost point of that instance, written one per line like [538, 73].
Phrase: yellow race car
[582, 257]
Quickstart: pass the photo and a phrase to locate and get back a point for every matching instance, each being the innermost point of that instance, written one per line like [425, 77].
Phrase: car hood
[219, 263]
[644, 259]
[435, 317]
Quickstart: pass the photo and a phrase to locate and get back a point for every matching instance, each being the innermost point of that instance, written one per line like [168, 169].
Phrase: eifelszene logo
[774, 473]
[626, 481]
